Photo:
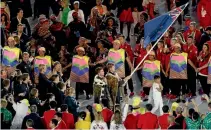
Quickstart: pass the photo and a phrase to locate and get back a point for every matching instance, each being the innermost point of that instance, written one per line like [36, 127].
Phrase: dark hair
[33, 108]
[30, 123]
[6, 82]
[25, 76]
[54, 121]
[195, 116]
[64, 107]
[19, 9]
[53, 104]
[61, 85]
[208, 28]
[89, 108]
[53, 77]
[161, 41]
[6, 18]
[156, 77]
[82, 115]
[98, 69]
[149, 107]
[59, 114]
[165, 108]
[105, 102]
[191, 111]
[209, 105]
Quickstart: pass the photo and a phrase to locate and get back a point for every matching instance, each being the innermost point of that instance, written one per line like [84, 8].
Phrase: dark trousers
[168, 4]
[146, 90]
[130, 81]
[191, 83]
[82, 86]
[176, 85]
[165, 81]
[205, 86]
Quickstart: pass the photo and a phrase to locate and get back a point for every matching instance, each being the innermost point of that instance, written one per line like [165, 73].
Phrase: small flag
[157, 26]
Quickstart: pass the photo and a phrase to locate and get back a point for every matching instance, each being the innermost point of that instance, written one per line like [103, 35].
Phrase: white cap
[76, 2]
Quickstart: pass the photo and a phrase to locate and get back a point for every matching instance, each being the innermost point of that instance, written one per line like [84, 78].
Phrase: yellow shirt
[82, 125]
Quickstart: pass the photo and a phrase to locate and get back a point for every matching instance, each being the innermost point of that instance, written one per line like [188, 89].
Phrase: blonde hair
[70, 91]
[3, 103]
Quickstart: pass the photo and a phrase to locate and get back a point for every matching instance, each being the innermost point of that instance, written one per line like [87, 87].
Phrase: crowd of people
[81, 49]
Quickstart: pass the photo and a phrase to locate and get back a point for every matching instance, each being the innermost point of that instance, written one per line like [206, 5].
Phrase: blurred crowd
[81, 49]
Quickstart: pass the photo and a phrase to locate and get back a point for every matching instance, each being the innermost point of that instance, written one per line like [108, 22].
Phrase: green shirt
[193, 124]
[65, 15]
[206, 124]
[7, 115]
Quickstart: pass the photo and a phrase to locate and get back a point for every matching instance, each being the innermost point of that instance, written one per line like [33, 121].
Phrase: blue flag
[154, 28]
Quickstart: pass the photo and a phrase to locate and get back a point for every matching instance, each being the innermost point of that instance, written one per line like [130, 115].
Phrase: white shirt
[101, 125]
[155, 93]
[115, 126]
[80, 16]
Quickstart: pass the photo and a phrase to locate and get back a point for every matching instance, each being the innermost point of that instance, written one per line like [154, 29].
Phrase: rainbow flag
[209, 72]
[10, 56]
[150, 69]
[46, 60]
[80, 69]
[118, 58]
[178, 66]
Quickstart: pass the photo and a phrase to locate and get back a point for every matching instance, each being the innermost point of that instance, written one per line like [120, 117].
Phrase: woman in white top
[117, 123]
[98, 123]
[76, 9]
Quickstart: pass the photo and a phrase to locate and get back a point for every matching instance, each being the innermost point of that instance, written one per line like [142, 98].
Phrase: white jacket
[80, 16]
[99, 125]
[115, 126]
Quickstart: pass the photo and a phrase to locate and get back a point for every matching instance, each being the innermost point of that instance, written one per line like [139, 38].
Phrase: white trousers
[158, 104]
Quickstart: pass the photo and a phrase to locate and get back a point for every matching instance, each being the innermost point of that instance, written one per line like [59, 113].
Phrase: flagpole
[155, 44]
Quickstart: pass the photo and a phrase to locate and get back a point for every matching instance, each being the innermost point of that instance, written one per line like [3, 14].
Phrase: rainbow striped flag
[46, 60]
[209, 72]
[178, 66]
[10, 56]
[150, 69]
[80, 69]
[118, 58]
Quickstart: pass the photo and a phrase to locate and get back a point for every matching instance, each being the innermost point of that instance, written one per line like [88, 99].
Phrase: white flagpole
[155, 44]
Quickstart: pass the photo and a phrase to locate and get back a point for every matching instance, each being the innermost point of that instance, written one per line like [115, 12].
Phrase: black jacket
[36, 119]
[14, 23]
[23, 41]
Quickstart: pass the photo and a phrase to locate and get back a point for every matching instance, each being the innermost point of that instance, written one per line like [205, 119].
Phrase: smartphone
[166, 46]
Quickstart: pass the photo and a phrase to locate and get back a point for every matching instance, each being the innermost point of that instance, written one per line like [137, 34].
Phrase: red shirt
[197, 35]
[203, 61]
[148, 121]
[68, 119]
[128, 50]
[204, 18]
[160, 56]
[192, 52]
[141, 53]
[163, 121]
[131, 121]
[61, 125]
[48, 115]
[107, 114]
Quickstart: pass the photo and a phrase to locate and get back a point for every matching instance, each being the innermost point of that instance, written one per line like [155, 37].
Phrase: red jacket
[68, 119]
[128, 50]
[163, 121]
[197, 35]
[61, 125]
[161, 56]
[148, 121]
[192, 52]
[131, 121]
[203, 61]
[107, 114]
[141, 53]
[204, 17]
[47, 116]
